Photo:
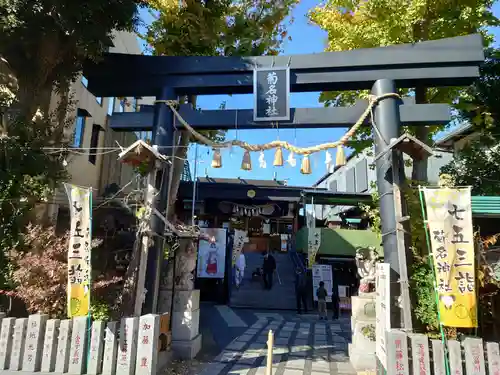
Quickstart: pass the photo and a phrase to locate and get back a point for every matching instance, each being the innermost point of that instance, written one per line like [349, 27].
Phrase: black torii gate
[446, 62]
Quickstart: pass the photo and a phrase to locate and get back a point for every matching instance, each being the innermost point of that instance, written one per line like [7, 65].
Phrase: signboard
[449, 217]
[382, 305]
[211, 256]
[322, 272]
[271, 89]
[342, 291]
[79, 250]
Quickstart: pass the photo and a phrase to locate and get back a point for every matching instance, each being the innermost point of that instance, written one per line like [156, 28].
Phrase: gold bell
[340, 157]
[306, 165]
[217, 159]
[246, 164]
[278, 157]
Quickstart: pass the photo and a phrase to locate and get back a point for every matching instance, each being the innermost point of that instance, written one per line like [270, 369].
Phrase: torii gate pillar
[390, 173]
[163, 136]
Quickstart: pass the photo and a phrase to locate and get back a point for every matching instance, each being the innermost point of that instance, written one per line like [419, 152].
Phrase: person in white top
[240, 269]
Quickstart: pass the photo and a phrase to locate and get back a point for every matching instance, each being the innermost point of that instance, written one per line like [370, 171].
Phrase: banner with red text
[449, 217]
[79, 250]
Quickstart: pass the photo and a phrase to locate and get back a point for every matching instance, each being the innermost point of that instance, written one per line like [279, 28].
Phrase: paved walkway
[303, 345]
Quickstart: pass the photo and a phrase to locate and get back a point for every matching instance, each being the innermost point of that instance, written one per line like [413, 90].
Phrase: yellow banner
[449, 217]
[313, 244]
[79, 251]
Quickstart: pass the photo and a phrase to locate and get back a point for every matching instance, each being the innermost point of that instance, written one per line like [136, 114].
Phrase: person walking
[301, 290]
[240, 269]
[322, 294]
[268, 267]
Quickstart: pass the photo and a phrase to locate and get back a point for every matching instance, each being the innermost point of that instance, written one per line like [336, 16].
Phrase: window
[85, 81]
[94, 143]
[98, 99]
[111, 106]
[79, 130]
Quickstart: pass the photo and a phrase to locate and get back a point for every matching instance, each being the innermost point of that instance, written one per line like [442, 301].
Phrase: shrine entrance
[447, 62]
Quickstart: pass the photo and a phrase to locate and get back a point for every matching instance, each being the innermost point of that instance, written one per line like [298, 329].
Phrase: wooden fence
[39, 344]
[412, 354]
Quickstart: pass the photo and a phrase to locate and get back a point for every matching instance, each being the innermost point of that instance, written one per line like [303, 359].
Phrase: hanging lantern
[217, 159]
[278, 157]
[306, 165]
[291, 160]
[246, 164]
[340, 157]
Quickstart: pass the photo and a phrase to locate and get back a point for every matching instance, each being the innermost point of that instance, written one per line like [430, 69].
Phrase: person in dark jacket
[301, 290]
[321, 293]
[268, 267]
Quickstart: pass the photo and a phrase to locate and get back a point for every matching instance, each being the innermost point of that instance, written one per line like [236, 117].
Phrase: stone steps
[253, 295]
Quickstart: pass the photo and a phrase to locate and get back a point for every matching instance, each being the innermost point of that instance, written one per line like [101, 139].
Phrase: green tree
[43, 44]
[374, 23]
[214, 28]
[478, 163]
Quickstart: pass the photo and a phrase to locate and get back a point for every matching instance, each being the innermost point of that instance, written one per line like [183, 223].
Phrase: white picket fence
[39, 344]
[410, 354]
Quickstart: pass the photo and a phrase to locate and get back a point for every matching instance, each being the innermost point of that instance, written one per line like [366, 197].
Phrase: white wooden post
[34, 342]
[455, 357]
[6, 342]
[397, 353]
[78, 352]
[96, 348]
[438, 357]
[110, 349]
[493, 352]
[63, 345]
[127, 347]
[16, 357]
[147, 345]
[420, 354]
[50, 345]
[474, 356]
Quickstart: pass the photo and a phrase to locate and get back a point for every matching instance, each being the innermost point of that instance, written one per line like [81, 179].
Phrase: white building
[358, 175]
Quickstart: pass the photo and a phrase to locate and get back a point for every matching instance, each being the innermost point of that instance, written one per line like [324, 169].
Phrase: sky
[306, 39]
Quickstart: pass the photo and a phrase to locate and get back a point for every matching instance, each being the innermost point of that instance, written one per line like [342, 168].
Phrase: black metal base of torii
[448, 62]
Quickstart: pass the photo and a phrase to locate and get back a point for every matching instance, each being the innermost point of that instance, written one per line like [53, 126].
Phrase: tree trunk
[419, 172]
[127, 298]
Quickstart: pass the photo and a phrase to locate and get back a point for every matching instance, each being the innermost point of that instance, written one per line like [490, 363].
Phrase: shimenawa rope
[372, 100]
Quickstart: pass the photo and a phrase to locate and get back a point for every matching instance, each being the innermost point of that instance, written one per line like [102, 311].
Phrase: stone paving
[302, 346]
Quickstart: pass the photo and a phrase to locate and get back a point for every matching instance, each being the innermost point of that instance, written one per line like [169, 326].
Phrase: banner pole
[431, 264]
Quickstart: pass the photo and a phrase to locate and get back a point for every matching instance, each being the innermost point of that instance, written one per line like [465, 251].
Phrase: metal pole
[163, 137]
[403, 250]
[270, 344]
[194, 182]
[388, 122]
